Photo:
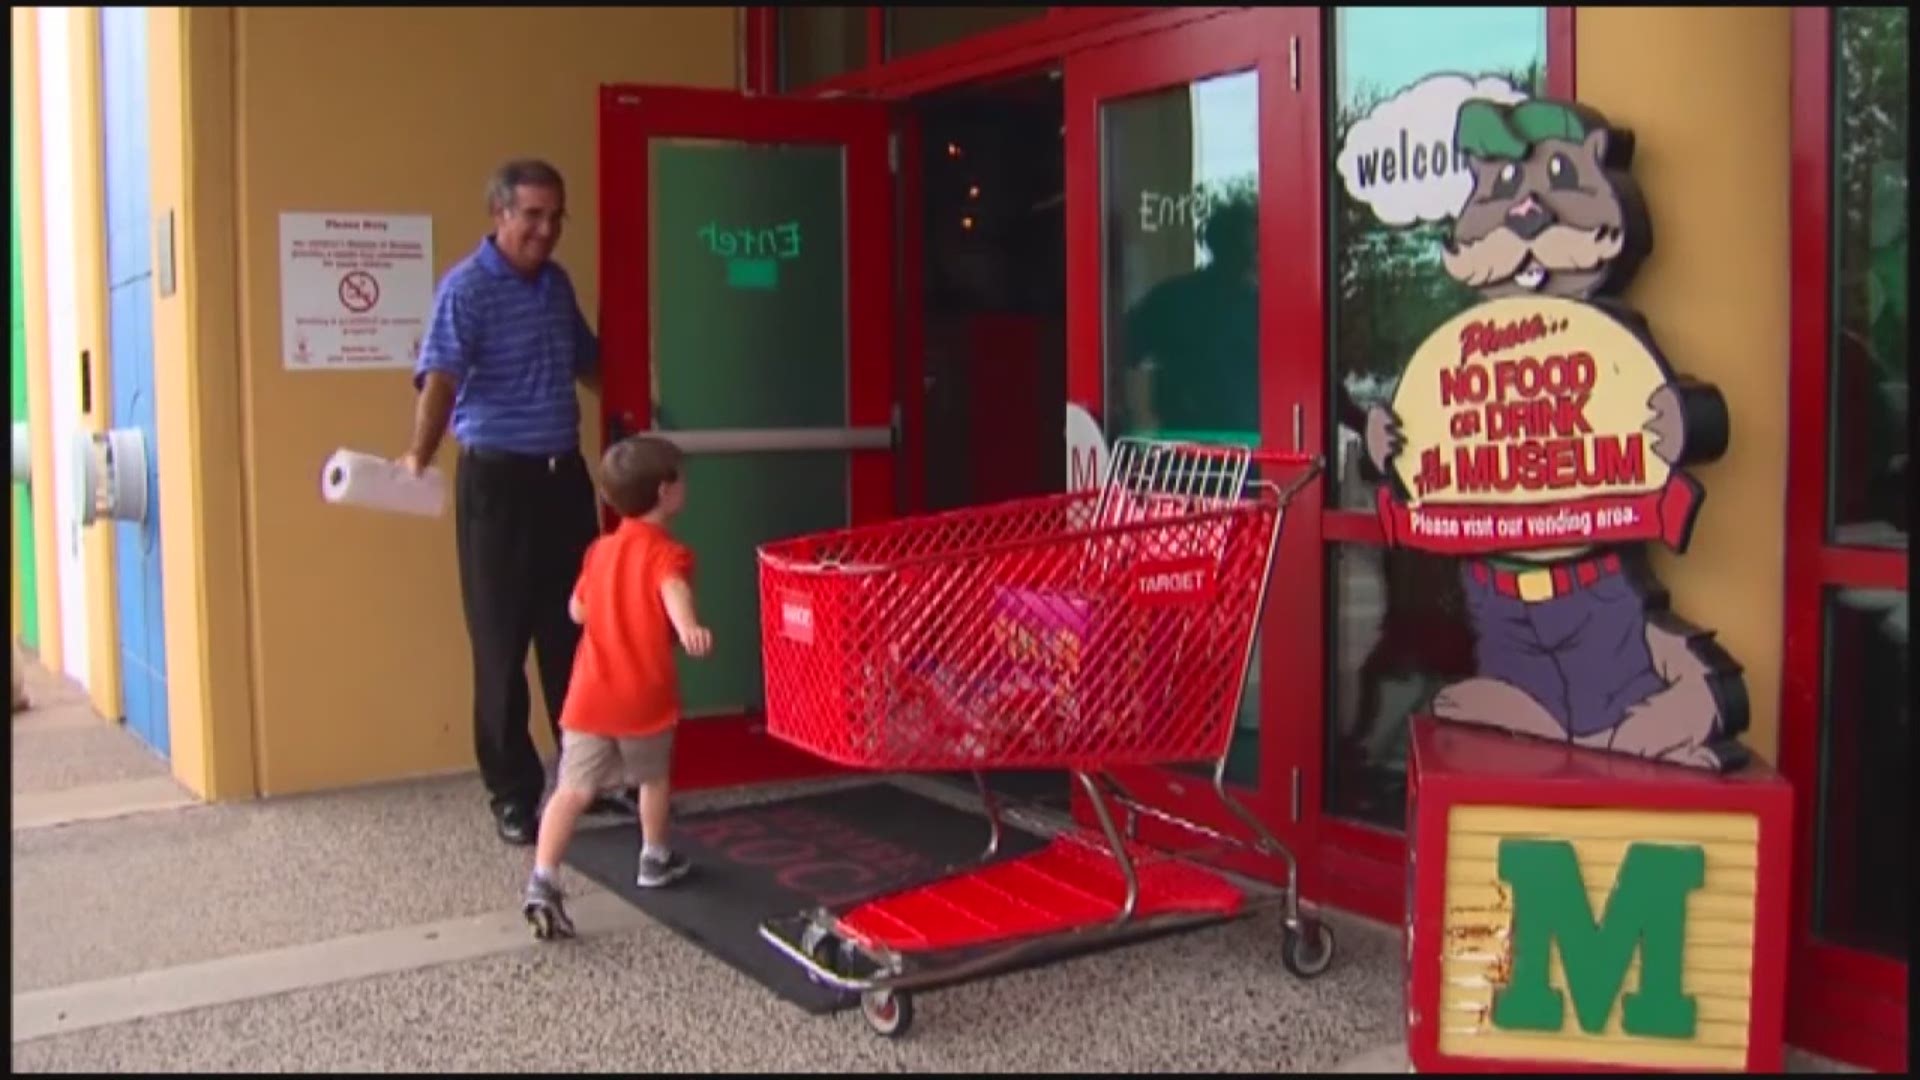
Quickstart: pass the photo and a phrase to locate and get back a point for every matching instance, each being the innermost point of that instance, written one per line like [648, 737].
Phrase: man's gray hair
[529, 172]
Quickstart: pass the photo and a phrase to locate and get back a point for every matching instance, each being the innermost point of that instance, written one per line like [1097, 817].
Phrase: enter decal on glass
[753, 255]
[1181, 210]
[1189, 209]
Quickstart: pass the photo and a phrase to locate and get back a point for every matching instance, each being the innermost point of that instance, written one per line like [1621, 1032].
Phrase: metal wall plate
[163, 261]
[113, 475]
[22, 453]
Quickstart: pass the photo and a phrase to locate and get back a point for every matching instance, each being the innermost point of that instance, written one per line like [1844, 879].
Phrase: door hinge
[1293, 61]
[1296, 796]
[893, 152]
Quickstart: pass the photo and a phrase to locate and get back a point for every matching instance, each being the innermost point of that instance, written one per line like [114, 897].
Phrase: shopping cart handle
[1257, 457]
[1286, 457]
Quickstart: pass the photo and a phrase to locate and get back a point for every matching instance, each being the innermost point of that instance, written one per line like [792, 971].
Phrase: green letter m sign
[1647, 911]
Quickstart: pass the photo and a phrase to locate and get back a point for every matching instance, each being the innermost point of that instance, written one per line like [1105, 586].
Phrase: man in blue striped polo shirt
[504, 346]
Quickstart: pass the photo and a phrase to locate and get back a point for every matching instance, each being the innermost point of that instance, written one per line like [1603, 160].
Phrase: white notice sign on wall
[355, 289]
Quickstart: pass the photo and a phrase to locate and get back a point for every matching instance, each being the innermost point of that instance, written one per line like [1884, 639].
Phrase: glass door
[1846, 733]
[1381, 629]
[747, 313]
[1184, 166]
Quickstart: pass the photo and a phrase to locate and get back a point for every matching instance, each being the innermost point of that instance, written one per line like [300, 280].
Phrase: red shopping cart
[1081, 631]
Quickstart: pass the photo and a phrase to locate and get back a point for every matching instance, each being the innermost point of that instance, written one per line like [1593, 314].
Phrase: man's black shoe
[517, 824]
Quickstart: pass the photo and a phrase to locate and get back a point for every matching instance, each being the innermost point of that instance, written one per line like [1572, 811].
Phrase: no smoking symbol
[359, 292]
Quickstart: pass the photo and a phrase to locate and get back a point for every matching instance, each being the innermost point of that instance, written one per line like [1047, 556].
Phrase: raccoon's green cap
[1489, 130]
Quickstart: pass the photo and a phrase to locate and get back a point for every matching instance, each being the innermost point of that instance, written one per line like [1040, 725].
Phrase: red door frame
[984, 56]
[997, 54]
[1255, 39]
[1845, 1003]
[1348, 864]
[733, 750]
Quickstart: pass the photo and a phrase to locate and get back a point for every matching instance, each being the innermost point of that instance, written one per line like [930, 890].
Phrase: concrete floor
[378, 930]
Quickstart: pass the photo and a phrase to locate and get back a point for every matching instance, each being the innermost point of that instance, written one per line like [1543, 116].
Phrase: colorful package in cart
[968, 704]
[1038, 638]
[1045, 639]
[933, 712]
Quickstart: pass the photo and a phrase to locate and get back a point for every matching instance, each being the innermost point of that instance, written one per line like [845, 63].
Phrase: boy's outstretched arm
[678, 596]
[576, 607]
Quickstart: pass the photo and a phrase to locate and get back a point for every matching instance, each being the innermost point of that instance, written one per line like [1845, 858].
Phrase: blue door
[123, 75]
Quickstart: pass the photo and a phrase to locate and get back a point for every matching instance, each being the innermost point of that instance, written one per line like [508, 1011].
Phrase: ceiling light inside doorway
[973, 191]
[953, 150]
[966, 222]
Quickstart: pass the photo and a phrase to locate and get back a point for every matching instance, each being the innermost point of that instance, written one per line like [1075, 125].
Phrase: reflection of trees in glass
[1390, 289]
[1180, 164]
[1189, 347]
[1871, 178]
[1244, 189]
[1870, 261]
[1869, 459]
[1404, 614]
[1239, 193]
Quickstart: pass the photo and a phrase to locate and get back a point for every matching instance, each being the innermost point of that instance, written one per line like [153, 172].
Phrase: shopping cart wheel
[821, 946]
[887, 1012]
[1307, 950]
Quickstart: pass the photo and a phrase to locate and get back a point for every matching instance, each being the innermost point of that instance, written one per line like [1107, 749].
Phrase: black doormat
[1046, 788]
[758, 862]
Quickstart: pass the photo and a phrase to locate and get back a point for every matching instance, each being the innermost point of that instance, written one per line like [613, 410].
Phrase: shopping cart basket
[1082, 631]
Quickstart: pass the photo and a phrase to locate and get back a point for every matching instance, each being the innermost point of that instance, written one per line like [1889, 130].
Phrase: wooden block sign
[1572, 910]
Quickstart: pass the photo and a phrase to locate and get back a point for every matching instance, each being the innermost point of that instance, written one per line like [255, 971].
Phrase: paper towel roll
[351, 478]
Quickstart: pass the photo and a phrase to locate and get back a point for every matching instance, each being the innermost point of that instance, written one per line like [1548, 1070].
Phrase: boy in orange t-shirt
[623, 704]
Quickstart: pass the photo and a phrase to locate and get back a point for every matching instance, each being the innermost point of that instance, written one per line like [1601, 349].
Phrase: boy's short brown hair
[632, 470]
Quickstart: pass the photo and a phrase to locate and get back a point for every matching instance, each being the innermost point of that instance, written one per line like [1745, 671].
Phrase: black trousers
[523, 525]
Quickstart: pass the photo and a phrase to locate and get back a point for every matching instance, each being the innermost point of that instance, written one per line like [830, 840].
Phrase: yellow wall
[352, 625]
[90, 267]
[1706, 93]
[33, 267]
[197, 404]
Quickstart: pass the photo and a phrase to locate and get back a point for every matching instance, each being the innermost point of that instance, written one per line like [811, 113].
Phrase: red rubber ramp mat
[779, 858]
[1069, 884]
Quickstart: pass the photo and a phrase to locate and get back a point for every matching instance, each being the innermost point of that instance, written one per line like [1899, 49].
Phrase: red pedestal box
[1579, 911]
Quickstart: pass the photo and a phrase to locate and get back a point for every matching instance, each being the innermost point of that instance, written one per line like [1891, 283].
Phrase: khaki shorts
[599, 762]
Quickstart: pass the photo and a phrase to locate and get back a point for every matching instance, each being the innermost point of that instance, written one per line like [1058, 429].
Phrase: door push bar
[776, 440]
[765, 440]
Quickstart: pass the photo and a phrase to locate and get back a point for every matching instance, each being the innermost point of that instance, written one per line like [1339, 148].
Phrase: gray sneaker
[545, 907]
[655, 872]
